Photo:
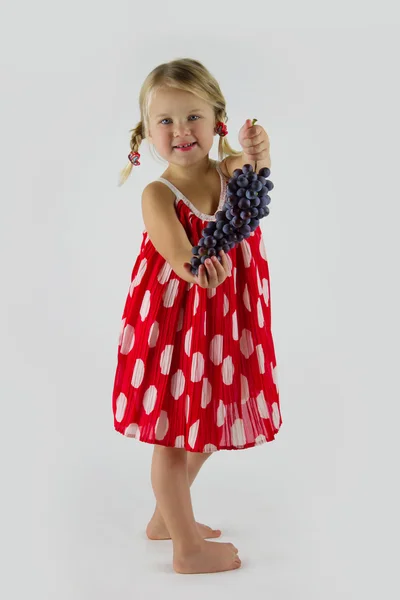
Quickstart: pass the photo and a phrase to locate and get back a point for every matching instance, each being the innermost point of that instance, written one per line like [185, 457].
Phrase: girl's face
[178, 117]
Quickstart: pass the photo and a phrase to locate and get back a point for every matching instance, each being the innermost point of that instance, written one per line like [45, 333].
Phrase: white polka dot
[205, 323]
[153, 334]
[196, 300]
[262, 249]
[261, 358]
[265, 291]
[244, 386]
[180, 320]
[121, 331]
[170, 293]
[144, 309]
[226, 305]
[221, 414]
[259, 284]
[121, 403]
[177, 384]
[260, 314]
[237, 433]
[164, 273]
[246, 251]
[187, 407]
[206, 393]
[166, 358]
[149, 399]
[197, 366]
[162, 425]
[227, 370]
[188, 341]
[246, 298]
[234, 279]
[208, 448]
[128, 339]
[262, 406]
[138, 373]
[211, 292]
[139, 276]
[180, 441]
[131, 430]
[193, 431]
[235, 329]
[261, 439]
[216, 348]
[275, 375]
[246, 343]
[275, 415]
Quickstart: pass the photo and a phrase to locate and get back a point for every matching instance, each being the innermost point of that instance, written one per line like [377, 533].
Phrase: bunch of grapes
[247, 202]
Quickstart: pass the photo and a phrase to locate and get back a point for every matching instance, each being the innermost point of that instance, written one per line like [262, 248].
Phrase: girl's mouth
[185, 148]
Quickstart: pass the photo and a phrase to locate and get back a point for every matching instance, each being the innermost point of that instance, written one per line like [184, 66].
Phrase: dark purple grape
[210, 241]
[195, 249]
[256, 186]
[251, 194]
[227, 228]
[265, 172]
[241, 193]
[232, 186]
[245, 203]
[237, 172]
[247, 169]
[242, 181]
[268, 184]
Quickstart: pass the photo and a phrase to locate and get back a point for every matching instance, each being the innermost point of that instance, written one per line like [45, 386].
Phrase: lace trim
[180, 196]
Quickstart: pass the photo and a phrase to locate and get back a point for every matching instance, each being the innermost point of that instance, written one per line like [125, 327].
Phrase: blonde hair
[184, 74]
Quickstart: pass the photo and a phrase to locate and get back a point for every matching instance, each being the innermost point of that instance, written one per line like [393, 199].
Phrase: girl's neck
[188, 173]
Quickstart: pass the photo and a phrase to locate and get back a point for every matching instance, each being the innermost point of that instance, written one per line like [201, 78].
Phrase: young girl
[196, 369]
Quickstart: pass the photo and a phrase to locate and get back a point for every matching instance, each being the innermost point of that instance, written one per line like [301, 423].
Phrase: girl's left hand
[254, 141]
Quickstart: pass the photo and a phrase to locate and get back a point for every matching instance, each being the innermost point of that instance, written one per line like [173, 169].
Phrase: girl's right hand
[212, 274]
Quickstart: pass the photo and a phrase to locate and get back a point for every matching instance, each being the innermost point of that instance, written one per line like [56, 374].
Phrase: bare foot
[157, 530]
[210, 557]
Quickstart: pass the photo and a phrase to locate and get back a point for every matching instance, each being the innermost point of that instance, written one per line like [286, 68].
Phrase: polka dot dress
[196, 367]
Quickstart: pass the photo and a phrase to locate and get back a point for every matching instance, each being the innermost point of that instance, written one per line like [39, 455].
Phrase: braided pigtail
[136, 140]
[224, 147]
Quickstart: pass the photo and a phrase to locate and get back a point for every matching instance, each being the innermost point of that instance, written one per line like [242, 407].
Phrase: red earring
[221, 129]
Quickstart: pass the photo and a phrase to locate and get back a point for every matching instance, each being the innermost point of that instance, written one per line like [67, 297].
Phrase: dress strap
[171, 186]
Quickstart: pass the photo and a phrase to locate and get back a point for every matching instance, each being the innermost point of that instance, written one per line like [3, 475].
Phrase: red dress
[196, 367]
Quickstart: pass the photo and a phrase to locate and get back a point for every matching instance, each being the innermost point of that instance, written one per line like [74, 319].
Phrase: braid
[224, 147]
[136, 140]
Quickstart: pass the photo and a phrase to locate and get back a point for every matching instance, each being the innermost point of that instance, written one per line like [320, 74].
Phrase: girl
[196, 368]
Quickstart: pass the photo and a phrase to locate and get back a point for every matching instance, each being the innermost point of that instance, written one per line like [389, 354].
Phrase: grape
[247, 199]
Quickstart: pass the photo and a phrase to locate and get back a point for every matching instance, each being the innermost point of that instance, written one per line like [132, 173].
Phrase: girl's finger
[225, 263]
[212, 273]
[219, 268]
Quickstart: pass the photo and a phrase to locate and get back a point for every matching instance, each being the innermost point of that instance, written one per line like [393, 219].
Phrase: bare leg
[157, 529]
[191, 554]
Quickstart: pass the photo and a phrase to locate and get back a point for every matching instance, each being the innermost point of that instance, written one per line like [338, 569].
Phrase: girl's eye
[190, 115]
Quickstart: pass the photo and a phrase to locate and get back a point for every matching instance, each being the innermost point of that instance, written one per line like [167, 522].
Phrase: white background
[315, 513]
